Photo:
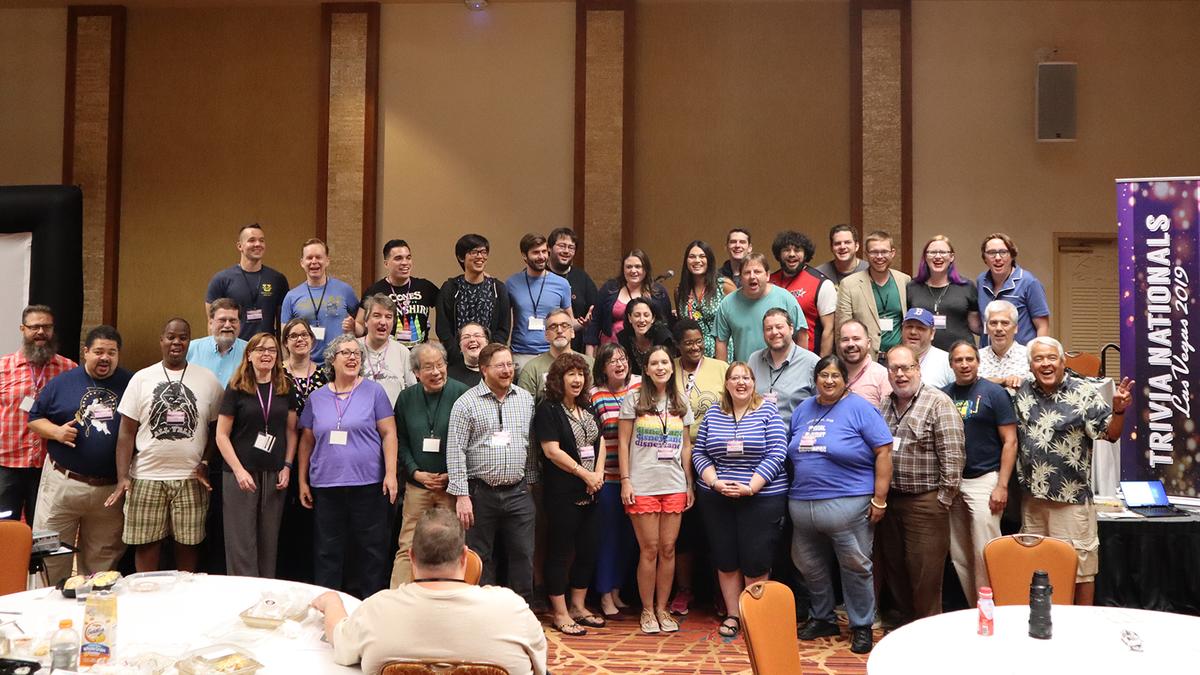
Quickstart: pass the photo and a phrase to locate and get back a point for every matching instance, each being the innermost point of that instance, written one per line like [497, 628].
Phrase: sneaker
[665, 622]
[649, 622]
[679, 604]
[861, 640]
[818, 628]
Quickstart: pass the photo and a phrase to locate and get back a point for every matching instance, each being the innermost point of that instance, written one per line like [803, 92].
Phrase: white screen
[15, 250]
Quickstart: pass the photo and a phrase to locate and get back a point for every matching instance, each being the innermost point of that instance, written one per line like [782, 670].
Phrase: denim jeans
[822, 529]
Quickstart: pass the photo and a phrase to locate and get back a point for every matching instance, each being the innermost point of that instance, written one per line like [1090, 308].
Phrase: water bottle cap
[65, 623]
[985, 592]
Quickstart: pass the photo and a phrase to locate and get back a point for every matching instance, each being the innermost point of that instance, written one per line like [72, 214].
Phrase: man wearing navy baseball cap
[916, 333]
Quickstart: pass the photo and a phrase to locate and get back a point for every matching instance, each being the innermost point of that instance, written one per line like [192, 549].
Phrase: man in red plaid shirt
[22, 375]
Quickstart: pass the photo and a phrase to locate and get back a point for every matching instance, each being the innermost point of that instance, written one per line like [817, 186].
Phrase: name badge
[501, 439]
[886, 324]
[338, 437]
[27, 404]
[175, 417]
[101, 412]
[772, 396]
[734, 447]
[404, 335]
[537, 323]
[318, 332]
[431, 445]
[896, 443]
[666, 454]
[939, 321]
[254, 314]
[264, 442]
[807, 441]
[587, 452]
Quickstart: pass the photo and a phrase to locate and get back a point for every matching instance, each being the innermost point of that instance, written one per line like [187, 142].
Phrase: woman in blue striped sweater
[739, 458]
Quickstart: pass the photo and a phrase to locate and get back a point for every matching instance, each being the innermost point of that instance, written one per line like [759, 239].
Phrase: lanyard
[862, 371]
[529, 290]
[430, 419]
[938, 300]
[253, 288]
[337, 405]
[317, 305]
[266, 409]
[826, 413]
[181, 377]
[911, 405]
[576, 420]
[500, 410]
[377, 368]
[38, 380]
[782, 369]
[396, 293]
[738, 421]
[664, 415]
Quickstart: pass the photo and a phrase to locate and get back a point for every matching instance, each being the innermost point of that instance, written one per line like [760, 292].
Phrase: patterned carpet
[696, 649]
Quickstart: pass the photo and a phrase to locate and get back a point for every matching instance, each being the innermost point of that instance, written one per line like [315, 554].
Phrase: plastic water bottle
[64, 647]
[987, 612]
[1040, 593]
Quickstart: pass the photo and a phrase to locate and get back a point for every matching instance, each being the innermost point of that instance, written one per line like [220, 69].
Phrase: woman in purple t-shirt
[347, 471]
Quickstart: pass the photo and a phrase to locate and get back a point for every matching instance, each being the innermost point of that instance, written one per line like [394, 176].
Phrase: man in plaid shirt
[928, 453]
[22, 375]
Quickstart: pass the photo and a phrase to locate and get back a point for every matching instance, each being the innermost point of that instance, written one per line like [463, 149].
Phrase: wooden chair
[474, 568]
[1084, 363]
[440, 668]
[769, 624]
[1011, 561]
[16, 540]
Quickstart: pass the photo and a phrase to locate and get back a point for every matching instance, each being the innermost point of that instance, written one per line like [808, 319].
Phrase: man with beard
[740, 314]
[414, 297]
[816, 294]
[560, 332]
[783, 370]
[22, 376]
[257, 289]
[472, 338]
[77, 416]
[169, 416]
[534, 291]
[222, 350]
[843, 242]
[866, 377]
[563, 242]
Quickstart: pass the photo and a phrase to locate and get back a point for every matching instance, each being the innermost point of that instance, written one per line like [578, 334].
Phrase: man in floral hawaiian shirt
[1058, 418]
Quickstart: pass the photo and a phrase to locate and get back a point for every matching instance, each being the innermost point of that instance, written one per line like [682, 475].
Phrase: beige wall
[476, 128]
[976, 166]
[741, 118]
[33, 65]
[220, 130]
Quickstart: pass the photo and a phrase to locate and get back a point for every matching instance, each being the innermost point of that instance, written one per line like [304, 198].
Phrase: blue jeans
[840, 527]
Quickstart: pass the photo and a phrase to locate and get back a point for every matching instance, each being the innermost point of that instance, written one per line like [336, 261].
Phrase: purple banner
[1160, 327]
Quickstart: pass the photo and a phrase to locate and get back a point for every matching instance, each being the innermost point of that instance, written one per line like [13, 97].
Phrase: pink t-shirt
[618, 314]
[872, 383]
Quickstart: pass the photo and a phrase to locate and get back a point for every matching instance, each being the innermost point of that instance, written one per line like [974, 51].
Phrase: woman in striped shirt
[739, 458]
[613, 380]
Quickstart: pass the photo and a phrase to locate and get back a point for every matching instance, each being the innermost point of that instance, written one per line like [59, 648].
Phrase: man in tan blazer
[876, 297]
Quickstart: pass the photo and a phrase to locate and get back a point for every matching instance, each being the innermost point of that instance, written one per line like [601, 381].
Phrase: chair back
[474, 568]
[440, 668]
[1011, 561]
[769, 624]
[16, 540]
[1084, 363]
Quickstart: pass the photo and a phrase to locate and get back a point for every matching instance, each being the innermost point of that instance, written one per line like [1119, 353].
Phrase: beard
[40, 353]
[224, 341]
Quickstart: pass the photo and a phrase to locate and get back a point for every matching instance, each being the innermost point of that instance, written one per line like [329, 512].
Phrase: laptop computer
[1149, 498]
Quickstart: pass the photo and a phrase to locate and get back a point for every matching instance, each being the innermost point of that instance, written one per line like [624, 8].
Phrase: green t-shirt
[887, 301]
[740, 319]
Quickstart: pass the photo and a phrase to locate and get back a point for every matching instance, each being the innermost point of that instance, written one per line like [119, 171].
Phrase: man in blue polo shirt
[1004, 279]
[222, 350]
[534, 291]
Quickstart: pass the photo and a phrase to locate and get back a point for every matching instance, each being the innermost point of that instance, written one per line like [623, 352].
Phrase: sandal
[649, 623]
[668, 624]
[730, 630]
[572, 629]
[590, 620]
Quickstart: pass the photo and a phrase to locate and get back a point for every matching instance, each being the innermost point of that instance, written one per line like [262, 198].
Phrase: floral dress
[704, 312]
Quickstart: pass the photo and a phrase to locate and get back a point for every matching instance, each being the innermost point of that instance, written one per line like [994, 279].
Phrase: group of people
[860, 420]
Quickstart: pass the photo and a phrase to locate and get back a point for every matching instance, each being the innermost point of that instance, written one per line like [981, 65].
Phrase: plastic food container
[273, 609]
[221, 658]
[150, 582]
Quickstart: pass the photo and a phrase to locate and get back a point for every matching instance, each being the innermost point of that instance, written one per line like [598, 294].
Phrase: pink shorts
[675, 502]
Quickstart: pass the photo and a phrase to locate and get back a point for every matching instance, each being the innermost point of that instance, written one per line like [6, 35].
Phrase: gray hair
[335, 344]
[381, 300]
[1049, 342]
[1000, 306]
[422, 348]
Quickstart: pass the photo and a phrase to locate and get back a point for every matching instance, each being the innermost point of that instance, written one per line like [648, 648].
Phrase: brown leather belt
[89, 480]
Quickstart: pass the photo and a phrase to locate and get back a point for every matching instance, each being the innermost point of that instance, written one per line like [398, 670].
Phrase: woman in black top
[256, 434]
[570, 438]
[939, 288]
[634, 279]
[644, 330]
[303, 374]
[304, 377]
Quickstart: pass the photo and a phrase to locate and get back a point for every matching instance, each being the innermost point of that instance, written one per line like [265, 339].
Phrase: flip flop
[572, 629]
[591, 621]
[730, 631]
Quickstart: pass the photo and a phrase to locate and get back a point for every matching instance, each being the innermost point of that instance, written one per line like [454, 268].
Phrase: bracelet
[878, 506]
[288, 465]
[624, 477]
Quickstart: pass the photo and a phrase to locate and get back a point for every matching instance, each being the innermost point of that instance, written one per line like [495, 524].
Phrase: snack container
[149, 582]
[226, 659]
[99, 629]
[273, 609]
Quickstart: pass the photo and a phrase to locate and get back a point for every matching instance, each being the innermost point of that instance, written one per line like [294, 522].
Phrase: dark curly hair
[565, 363]
[790, 238]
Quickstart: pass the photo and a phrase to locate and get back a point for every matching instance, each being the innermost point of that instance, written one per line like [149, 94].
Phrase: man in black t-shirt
[415, 297]
[257, 289]
[562, 243]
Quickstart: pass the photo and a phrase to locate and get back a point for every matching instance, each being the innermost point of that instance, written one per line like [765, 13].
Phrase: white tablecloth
[194, 614]
[1086, 641]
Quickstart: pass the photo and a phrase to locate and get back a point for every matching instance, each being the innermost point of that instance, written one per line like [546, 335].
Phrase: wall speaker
[1055, 101]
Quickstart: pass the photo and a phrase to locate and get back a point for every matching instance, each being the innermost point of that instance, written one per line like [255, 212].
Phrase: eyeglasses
[298, 336]
[507, 365]
[39, 327]
[619, 359]
[564, 246]
[996, 253]
[349, 354]
[226, 320]
[266, 350]
[698, 342]
[472, 336]
[740, 378]
[559, 327]
[478, 252]
[902, 369]
[938, 254]
[879, 254]
[432, 367]
[829, 377]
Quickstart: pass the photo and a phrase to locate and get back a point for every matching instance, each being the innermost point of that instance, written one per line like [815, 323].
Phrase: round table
[1085, 640]
[197, 612]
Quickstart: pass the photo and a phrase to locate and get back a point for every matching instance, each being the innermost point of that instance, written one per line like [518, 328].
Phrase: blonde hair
[756, 398]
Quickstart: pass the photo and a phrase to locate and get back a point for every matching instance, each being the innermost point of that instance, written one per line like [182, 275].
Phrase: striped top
[607, 406]
[764, 447]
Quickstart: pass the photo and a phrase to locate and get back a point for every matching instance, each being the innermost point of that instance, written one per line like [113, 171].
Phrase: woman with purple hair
[939, 288]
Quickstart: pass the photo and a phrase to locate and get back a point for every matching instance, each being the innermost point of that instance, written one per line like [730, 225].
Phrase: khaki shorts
[151, 503]
[1073, 523]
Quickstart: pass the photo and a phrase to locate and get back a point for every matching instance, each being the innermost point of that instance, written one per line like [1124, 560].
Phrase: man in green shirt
[875, 297]
[560, 331]
[422, 420]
